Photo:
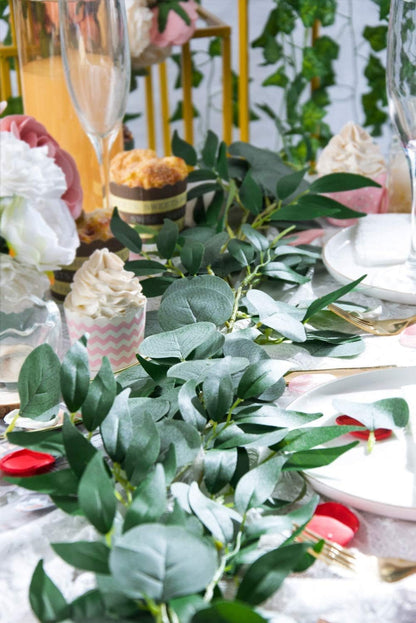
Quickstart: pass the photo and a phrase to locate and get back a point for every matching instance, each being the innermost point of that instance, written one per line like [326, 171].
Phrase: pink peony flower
[33, 133]
[177, 32]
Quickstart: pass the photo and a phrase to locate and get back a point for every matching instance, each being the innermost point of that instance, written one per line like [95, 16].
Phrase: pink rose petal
[306, 237]
[304, 382]
[331, 529]
[408, 337]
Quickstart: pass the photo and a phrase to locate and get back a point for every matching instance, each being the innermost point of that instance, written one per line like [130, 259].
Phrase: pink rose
[177, 32]
[30, 131]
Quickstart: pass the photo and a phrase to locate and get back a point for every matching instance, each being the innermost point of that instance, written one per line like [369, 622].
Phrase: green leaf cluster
[170, 460]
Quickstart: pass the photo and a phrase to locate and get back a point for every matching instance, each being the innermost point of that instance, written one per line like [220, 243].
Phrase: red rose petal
[331, 529]
[26, 462]
[340, 512]
[380, 433]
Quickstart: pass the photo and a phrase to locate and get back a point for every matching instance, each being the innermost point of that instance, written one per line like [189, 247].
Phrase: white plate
[381, 482]
[340, 260]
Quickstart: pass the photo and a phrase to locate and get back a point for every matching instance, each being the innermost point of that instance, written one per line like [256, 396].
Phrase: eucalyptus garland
[183, 462]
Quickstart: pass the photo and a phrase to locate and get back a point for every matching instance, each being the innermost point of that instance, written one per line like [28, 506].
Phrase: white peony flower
[40, 231]
[28, 171]
[17, 283]
[139, 20]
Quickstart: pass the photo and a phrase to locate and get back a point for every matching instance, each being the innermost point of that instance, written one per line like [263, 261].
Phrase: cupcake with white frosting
[106, 302]
[354, 151]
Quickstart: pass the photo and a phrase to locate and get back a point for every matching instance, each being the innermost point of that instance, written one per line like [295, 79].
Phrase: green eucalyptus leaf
[219, 466]
[100, 397]
[308, 459]
[228, 612]
[241, 251]
[143, 450]
[156, 371]
[190, 405]
[258, 241]
[267, 573]
[209, 149]
[185, 438]
[203, 189]
[331, 297]
[219, 520]
[115, 602]
[213, 246]
[251, 195]
[288, 184]
[337, 182]
[206, 298]
[156, 286]
[86, 555]
[39, 384]
[198, 370]
[46, 600]
[213, 211]
[244, 348]
[78, 450]
[124, 233]
[201, 175]
[279, 270]
[192, 254]
[320, 344]
[149, 501]
[62, 482]
[265, 165]
[167, 238]
[212, 346]
[306, 438]
[39, 440]
[386, 413]
[161, 562]
[157, 408]
[75, 375]
[96, 495]
[68, 504]
[169, 464]
[116, 428]
[145, 267]
[89, 607]
[182, 149]
[218, 395]
[312, 206]
[186, 607]
[260, 376]
[177, 344]
[235, 436]
[257, 485]
[222, 164]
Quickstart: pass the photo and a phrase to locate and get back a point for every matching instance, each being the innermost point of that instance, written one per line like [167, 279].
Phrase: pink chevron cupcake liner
[117, 338]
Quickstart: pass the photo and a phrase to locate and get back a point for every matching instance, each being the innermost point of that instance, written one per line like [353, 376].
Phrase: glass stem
[103, 145]
[411, 159]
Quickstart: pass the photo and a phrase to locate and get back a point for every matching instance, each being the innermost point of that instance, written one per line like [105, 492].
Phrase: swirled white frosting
[102, 287]
[352, 151]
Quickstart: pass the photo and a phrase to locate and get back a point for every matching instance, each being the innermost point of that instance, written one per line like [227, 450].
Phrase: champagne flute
[401, 91]
[96, 58]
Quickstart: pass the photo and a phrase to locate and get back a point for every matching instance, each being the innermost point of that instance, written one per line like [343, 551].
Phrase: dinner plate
[384, 481]
[341, 262]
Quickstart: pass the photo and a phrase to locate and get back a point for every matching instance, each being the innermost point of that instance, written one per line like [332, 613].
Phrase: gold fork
[391, 326]
[385, 569]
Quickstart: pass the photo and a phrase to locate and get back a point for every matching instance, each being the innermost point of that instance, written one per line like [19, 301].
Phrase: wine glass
[401, 91]
[96, 58]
